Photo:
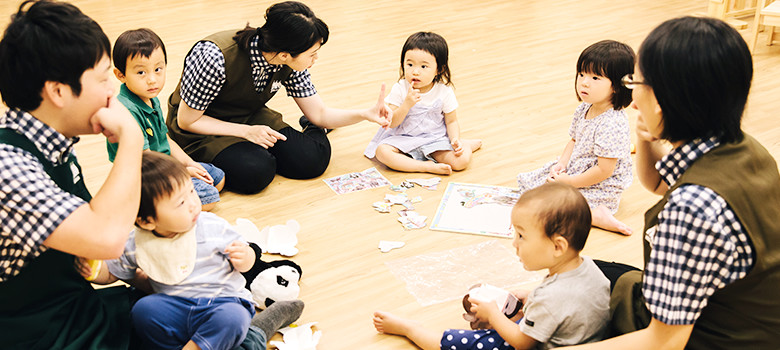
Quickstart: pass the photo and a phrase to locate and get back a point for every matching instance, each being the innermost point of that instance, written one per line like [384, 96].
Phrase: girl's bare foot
[387, 323]
[473, 144]
[603, 218]
[439, 168]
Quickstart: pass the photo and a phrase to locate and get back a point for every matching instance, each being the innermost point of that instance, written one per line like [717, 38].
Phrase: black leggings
[249, 168]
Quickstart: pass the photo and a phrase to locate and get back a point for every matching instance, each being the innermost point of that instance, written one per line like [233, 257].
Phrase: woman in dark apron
[228, 78]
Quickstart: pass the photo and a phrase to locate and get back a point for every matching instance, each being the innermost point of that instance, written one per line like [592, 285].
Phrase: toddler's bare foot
[473, 144]
[387, 323]
[603, 218]
[440, 168]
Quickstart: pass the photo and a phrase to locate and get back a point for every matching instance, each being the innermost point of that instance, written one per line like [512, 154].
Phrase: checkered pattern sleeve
[299, 84]
[32, 206]
[699, 248]
[203, 76]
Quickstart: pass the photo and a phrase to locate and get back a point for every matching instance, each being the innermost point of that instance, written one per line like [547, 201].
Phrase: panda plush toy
[272, 281]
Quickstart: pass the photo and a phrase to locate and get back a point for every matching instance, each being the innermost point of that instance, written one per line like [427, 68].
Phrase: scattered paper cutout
[382, 207]
[352, 182]
[429, 184]
[278, 239]
[386, 246]
[301, 337]
[396, 198]
[412, 220]
[397, 188]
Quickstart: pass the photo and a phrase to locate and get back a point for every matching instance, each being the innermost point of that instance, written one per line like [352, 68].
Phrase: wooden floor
[513, 66]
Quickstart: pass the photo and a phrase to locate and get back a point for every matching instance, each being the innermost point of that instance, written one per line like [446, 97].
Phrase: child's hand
[484, 310]
[242, 256]
[457, 147]
[521, 294]
[562, 178]
[199, 172]
[412, 96]
[558, 168]
[82, 267]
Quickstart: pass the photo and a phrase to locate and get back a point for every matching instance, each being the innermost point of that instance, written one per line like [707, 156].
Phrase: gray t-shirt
[581, 318]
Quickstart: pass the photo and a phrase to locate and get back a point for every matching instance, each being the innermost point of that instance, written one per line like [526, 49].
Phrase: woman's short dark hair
[561, 209]
[290, 27]
[161, 174]
[134, 42]
[700, 70]
[435, 45]
[610, 59]
[50, 41]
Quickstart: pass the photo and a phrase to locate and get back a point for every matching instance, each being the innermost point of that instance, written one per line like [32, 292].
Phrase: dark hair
[561, 209]
[51, 41]
[290, 27]
[435, 45]
[700, 70]
[136, 42]
[161, 174]
[610, 59]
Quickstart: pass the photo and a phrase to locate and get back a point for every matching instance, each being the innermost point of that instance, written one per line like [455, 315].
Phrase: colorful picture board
[352, 182]
[477, 209]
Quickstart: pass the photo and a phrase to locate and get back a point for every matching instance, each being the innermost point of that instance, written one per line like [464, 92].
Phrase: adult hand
[242, 256]
[642, 131]
[263, 135]
[114, 121]
[380, 113]
[199, 172]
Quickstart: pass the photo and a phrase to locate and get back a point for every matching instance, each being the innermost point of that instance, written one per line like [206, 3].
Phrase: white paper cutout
[386, 246]
[277, 239]
[298, 338]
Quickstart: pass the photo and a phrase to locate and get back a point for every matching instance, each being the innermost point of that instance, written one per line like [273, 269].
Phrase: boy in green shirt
[140, 61]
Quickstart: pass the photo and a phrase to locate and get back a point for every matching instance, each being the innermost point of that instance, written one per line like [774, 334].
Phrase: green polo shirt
[150, 119]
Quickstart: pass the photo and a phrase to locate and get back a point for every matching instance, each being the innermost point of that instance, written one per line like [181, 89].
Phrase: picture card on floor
[477, 209]
[352, 182]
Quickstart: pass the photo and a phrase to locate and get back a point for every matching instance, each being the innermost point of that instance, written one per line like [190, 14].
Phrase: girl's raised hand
[380, 113]
[412, 96]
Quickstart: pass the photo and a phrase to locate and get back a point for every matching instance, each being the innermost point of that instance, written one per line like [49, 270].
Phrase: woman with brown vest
[712, 244]
[228, 78]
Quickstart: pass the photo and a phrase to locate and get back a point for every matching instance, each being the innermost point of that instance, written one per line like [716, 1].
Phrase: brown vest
[237, 102]
[746, 313]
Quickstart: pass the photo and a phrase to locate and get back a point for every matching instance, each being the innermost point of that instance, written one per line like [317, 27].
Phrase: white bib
[166, 260]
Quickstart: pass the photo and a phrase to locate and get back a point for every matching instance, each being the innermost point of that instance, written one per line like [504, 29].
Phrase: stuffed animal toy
[272, 281]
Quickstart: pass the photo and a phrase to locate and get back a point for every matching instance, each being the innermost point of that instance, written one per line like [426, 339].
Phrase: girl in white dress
[597, 158]
[424, 135]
